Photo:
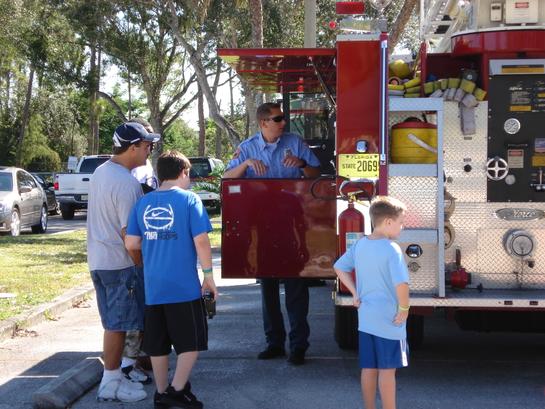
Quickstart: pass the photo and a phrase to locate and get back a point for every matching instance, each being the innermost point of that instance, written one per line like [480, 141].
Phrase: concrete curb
[9, 327]
[62, 391]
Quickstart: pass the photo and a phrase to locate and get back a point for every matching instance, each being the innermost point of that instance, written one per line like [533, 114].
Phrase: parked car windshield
[90, 165]
[200, 168]
[6, 182]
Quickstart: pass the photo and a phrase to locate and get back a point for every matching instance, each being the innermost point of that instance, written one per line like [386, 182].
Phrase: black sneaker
[178, 399]
[297, 357]
[271, 353]
[189, 394]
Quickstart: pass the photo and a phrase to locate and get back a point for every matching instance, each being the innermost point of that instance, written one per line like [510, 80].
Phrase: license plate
[83, 198]
[360, 165]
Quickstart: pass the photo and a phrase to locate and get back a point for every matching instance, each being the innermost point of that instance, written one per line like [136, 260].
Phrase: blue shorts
[120, 298]
[382, 353]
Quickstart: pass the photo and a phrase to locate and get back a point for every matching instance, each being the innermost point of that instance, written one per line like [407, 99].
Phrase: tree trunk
[256, 21]
[93, 88]
[96, 129]
[202, 129]
[196, 62]
[252, 97]
[26, 116]
[8, 94]
[400, 23]
[129, 91]
[218, 142]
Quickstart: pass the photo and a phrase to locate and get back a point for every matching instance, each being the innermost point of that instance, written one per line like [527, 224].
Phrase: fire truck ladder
[439, 19]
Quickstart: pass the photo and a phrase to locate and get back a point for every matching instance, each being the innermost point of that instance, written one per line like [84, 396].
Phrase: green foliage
[109, 119]
[179, 136]
[212, 185]
[37, 155]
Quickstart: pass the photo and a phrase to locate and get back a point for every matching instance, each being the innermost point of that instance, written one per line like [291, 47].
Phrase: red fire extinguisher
[351, 228]
[350, 221]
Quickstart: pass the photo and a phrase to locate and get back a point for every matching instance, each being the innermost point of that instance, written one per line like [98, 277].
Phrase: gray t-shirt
[113, 191]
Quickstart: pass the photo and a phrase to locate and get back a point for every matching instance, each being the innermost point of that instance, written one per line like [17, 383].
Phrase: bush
[44, 161]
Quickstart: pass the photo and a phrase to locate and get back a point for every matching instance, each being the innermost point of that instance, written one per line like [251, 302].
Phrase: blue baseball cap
[132, 132]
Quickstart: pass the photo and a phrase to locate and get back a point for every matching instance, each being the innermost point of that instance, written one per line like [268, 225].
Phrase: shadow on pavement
[18, 391]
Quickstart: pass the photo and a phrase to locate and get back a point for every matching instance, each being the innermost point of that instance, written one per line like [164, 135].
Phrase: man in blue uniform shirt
[273, 153]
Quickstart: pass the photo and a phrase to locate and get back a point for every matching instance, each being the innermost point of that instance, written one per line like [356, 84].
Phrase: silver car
[23, 202]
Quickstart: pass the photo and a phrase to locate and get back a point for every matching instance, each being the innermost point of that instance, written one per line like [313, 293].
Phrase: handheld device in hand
[209, 304]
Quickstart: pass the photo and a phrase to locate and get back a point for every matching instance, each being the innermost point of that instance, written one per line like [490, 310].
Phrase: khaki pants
[133, 343]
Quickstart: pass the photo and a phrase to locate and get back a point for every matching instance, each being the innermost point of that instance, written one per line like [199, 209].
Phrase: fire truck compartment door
[278, 228]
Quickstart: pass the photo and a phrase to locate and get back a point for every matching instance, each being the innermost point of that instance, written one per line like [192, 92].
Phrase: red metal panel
[358, 76]
[507, 41]
[276, 228]
[349, 7]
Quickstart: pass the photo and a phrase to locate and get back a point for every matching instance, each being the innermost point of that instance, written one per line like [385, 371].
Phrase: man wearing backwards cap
[118, 282]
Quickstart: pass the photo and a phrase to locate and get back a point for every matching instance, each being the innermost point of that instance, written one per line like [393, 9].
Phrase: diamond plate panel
[497, 269]
[420, 196]
[425, 279]
[463, 150]
[479, 235]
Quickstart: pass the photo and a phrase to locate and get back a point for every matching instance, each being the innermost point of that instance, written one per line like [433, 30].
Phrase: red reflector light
[349, 7]
[56, 185]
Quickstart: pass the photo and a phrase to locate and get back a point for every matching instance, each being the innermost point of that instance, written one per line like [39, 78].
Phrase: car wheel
[42, 226]
[15, 227]
[56, 210]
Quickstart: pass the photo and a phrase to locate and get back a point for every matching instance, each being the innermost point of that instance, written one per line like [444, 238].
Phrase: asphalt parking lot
[454, 369]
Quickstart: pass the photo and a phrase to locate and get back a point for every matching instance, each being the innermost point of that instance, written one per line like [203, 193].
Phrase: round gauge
[522, 246]
[519, 243]
[511, 126]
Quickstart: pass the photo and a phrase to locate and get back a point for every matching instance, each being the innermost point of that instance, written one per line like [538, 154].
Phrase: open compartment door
[282, 228]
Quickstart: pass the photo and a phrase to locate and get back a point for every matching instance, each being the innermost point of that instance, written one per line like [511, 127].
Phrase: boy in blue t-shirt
[381, 294]
[170, 226]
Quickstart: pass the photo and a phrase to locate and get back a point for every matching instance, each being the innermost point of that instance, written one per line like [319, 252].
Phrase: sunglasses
[278, 118]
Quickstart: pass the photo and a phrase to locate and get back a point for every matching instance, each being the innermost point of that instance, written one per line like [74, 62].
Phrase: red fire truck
[474, 239]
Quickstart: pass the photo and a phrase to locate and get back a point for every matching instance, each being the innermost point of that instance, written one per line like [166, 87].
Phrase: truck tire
[415, 331]
[67, 212]
[41, 227]
[346, 327]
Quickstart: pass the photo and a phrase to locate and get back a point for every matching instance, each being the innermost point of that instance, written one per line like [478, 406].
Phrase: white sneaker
[118, 390]
[134, 374]
[131, 384]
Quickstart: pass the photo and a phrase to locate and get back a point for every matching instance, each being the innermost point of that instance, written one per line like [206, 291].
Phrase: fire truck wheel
[346, 327]
[415, 331]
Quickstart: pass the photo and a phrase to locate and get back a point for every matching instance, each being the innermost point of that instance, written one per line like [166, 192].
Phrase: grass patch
[38, 268]
[215, 237]
[215, 234]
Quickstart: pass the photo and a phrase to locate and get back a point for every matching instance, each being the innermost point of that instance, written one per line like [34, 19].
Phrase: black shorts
[182, 325]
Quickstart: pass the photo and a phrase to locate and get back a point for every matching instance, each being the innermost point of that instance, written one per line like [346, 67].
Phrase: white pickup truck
[71, 189]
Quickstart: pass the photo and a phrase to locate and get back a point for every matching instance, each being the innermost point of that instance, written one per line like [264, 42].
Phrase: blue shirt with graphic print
[167, 221]
[380, 268]
[272, 155]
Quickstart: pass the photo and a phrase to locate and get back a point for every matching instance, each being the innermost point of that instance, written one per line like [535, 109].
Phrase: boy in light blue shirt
[381, 294]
